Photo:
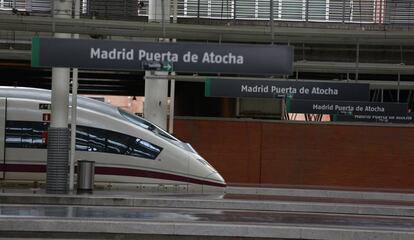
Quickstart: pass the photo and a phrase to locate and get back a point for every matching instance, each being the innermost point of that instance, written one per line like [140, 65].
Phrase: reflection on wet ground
[199, 216]
[227, 196]
[314, 199]
[257, 197]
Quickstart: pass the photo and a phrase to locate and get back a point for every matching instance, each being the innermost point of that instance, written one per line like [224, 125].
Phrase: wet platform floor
[112, 214]
[206, 216]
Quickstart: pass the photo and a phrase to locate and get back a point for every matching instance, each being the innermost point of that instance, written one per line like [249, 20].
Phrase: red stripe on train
[113, 171]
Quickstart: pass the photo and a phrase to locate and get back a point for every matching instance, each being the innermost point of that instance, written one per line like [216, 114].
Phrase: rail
[328, 11]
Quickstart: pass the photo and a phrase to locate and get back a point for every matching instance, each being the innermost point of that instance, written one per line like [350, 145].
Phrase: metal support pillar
[74, 112]
[234, 10]
[343, 11]
[398, 87]
[357, 62]
[172, 100]
[175, 10]
[198, 11]
[272, 21]
[156, 89]
[73, 129]
[306, 10]
[58, 140]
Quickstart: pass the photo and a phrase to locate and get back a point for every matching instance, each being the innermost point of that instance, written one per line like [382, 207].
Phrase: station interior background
[252, 141]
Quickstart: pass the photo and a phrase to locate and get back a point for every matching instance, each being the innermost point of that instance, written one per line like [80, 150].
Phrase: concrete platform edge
[197, 229]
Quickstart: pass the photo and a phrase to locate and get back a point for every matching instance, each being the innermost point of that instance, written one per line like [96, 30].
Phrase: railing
[26, 5]
[342, 11]
[347, 11]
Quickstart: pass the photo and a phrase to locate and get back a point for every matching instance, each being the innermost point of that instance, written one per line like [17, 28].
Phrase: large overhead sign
[295, 89]
[346, 107]
[184, 57]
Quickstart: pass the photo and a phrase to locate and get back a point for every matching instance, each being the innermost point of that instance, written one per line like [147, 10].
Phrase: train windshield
[147, 125]
[141, 122]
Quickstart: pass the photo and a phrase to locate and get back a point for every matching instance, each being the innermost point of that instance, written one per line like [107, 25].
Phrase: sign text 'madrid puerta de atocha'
[295, 89]
[185, 57]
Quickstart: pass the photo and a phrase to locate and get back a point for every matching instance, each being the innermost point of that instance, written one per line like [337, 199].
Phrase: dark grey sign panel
[185, 57]
[409, 118]
[295, 89]
[346, 107]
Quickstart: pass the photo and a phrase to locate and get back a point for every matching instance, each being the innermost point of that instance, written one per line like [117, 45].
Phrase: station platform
[239, 213]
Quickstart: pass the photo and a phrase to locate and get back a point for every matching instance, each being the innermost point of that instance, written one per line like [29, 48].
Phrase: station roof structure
[333, 40]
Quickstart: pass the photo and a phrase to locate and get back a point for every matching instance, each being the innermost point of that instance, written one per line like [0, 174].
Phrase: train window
[142, 148]
[117, 143]
[97, 140]
[82, 138]
[157, 130]
[23, 134]
[100, 140]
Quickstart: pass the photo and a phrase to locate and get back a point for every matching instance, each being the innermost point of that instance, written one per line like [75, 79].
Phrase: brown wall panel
[335, 155]
[325, 155]
[233, 148]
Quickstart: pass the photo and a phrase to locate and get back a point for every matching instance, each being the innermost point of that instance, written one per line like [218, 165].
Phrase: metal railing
[342, 11]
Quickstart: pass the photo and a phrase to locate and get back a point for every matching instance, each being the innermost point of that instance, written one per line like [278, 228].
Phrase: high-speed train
[126, 149]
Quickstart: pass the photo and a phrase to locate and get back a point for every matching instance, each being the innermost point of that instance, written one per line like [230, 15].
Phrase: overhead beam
[229, 33]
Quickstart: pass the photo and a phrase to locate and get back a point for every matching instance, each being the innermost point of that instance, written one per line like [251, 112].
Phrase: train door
[2, 136]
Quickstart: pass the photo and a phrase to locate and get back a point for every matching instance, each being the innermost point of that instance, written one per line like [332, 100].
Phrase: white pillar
[155, 10]
[156, 93]
[58, 141]
[60, 76]
[60, 97]
[156, 89]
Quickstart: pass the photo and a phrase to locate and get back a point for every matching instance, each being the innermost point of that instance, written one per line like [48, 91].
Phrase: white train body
[127, 150]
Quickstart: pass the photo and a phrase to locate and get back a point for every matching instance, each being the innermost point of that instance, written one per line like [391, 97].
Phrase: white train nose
[216, 177]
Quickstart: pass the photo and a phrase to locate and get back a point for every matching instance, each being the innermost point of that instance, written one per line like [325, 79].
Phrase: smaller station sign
[408, 118]
[279, 89]
[345, 107]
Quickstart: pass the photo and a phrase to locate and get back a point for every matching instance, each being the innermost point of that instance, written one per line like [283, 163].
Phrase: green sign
[167, 67]
[157, 66]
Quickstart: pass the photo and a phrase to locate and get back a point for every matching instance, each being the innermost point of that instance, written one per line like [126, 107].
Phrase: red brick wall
[324, 155]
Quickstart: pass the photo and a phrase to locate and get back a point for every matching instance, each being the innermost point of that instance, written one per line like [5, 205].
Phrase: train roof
[45, 95]
[95, 105]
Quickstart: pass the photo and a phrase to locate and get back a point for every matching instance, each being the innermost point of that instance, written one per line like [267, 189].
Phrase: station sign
[280, 89]
[345, 107]
[408, 118]
[185, 56]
